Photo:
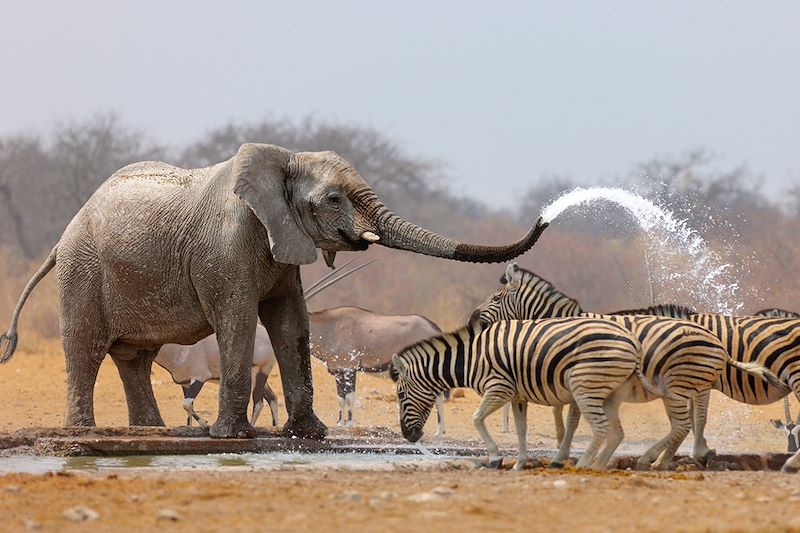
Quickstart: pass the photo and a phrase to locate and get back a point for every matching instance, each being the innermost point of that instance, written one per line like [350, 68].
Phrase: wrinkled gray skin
[161, 254]
[350, 339]
[192, 366]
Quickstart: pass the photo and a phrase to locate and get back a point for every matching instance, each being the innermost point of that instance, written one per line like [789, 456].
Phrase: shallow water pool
[369, 461]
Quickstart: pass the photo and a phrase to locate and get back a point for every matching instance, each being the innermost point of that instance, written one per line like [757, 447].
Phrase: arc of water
[705, 277]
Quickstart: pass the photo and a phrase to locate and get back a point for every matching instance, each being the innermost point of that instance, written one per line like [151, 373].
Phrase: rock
[31, 525]
[385, 495]
[560, 484]
[81, 513]
[424, 497]
[351, 496]
[12, 488]
[168, 514]
[442, 491]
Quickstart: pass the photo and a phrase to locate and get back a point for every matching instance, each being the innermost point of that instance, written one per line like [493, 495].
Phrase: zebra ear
[509, 275]
[399, 368]
[513, 276]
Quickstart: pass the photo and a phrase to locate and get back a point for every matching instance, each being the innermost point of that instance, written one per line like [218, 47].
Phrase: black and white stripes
[586, 361]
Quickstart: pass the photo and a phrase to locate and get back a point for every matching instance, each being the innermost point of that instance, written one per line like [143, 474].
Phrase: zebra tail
[649, 387]
[762, 372]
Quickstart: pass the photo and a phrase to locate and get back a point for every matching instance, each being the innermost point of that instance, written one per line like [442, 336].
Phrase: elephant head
[309, 200]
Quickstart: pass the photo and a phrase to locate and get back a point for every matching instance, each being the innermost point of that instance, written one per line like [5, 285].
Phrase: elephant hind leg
[82, 368]
[135, 375]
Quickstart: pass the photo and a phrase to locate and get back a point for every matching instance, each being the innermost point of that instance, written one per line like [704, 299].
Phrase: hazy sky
[500, 94]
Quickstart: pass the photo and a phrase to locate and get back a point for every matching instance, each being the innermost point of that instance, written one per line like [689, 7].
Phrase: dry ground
[32, 394]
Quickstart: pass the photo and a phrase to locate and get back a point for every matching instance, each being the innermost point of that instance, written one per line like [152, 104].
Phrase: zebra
[774, 312]
[589, 362]
[772, 342]
[680, 361]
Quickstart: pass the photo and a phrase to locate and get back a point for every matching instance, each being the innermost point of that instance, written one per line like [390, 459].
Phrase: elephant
[161, 254]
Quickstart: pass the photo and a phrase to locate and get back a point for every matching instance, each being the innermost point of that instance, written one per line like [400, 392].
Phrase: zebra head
[525, 296]
[416, 400]
[503, 304]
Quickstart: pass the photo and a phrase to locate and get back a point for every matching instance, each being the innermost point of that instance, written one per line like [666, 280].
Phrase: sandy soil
[32, 394]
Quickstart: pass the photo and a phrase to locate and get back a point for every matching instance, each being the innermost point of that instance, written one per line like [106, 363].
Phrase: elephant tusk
[369, 236]
[330, 257]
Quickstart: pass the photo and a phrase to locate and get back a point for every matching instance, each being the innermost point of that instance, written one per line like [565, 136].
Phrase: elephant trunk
[395, 232]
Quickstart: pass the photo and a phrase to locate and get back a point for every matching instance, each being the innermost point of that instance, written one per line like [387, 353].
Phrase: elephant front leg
[235, 331]
[286, 319]
[135, 376]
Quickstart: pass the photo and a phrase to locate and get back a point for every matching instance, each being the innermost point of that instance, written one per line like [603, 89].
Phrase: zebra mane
[531, 278]
[466, 333]
[670, 310]
[775, 312]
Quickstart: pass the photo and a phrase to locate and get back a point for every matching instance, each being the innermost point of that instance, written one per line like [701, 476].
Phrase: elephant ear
[260, 181]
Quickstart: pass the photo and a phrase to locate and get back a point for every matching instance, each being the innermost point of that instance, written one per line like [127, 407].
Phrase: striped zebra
[680, 361]
[588, 362]
[774, 312]
[771, 342]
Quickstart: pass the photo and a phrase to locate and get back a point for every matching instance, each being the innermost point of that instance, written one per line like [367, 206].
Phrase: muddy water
[356, 461]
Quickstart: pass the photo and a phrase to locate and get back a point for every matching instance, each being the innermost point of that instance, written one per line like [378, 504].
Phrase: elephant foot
[149, 419]
[232, 429]
[78, 420]
[309, 427]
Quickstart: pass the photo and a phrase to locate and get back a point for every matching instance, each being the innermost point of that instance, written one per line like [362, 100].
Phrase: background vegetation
[592, 254]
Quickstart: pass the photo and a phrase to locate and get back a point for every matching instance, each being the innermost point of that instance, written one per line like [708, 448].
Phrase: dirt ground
[32, 394]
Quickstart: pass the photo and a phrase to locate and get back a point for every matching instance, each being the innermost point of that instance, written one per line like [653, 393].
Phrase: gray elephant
[161, 254]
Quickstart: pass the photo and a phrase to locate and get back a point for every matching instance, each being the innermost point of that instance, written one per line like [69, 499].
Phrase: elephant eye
[334, 199]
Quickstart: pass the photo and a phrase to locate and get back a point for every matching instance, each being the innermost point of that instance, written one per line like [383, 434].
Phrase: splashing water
[681, 260]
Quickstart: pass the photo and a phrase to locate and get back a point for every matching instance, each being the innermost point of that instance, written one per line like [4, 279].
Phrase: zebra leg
[558, 418]
[592, 410]
[699, 406]
[662, 452]
[258, 396]
[573, 418]
[678, 410]
[504, 415]
[440, 415]
[615, 434]
[189, 395]
[521, 425]
[492, 401]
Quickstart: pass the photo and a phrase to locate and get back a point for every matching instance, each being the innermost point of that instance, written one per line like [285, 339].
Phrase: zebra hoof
[494, 464]
[788, 469]
[555, 464]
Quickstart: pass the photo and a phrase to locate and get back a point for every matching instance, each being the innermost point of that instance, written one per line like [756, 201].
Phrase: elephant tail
[8, 340]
